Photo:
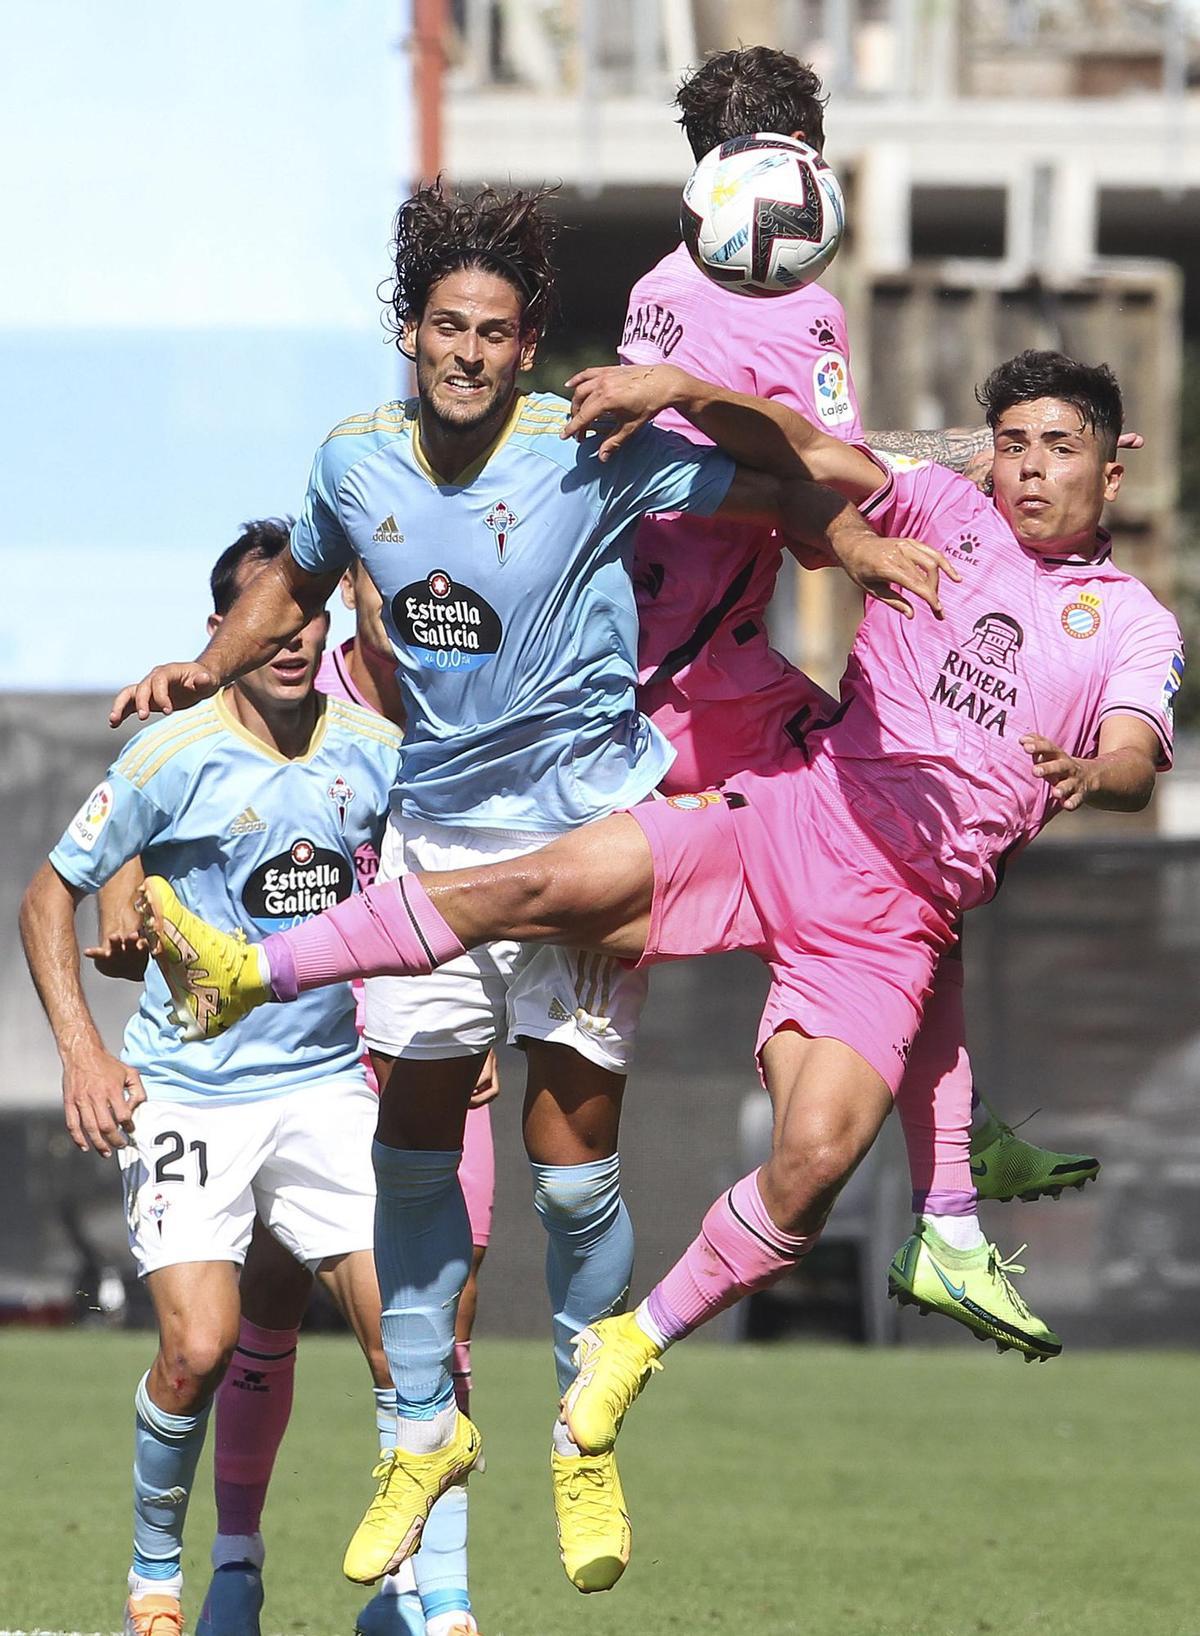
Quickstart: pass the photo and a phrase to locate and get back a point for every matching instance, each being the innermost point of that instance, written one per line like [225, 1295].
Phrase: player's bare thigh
[829, 1107]
[590, 889]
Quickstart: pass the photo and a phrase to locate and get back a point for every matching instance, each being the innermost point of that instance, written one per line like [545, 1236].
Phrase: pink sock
[739, 1249]
[460, 1374]
[253, 1407]
[390, 930]
[934, 1101]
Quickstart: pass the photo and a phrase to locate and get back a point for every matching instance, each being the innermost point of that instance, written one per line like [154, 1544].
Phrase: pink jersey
[926, 745]
[703, 586]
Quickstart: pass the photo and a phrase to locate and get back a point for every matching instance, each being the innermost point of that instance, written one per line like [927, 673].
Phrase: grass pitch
[774, 1492]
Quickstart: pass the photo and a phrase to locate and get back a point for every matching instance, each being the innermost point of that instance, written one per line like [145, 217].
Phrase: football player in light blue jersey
[502, 553]
[256, 805]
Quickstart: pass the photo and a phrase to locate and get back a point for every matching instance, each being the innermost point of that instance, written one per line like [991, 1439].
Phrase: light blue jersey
[248, 839]
[508, 597]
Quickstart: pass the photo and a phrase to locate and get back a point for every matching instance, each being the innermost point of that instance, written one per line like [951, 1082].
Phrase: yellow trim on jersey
[208, 730]
[387, 418]
[134, 757]
[230, 721]
[368, 723]
[469, 473]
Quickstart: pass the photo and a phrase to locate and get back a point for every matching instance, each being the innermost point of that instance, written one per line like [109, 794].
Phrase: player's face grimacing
[469, 348]
[1051, 477]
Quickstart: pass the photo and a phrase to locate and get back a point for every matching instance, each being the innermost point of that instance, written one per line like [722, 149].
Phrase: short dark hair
[260, 541]
[737, 93]
[1090, 388]
[436, 233]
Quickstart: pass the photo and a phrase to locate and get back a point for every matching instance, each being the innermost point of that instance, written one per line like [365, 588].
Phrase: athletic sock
[960, 1230]
[166, 1448]
[254, 1404]
[934, 1102]
[392, 930]
[739, 1250]
[460, 1373]
[589, 1248]
[440, 1566]
[422, 1257]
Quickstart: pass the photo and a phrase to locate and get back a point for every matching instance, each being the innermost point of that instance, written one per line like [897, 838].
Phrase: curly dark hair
[737, 93]
[436, 233]
[260, 541]
[1090, 388]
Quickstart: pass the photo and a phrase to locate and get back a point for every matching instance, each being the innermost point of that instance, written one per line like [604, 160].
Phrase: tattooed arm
[967, 449]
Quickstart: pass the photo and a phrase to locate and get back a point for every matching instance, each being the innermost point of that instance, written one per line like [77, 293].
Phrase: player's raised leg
[423, 1254]
[947, 1266]
[591, 888]
[572, 1110]
[829, 1106]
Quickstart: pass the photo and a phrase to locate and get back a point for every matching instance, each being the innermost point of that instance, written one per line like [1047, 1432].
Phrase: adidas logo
[559, 1013]
[247, 822]
[387, 533]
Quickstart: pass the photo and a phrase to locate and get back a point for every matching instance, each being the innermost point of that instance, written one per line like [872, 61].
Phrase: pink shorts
[777, 864]
[715, 738]
[477, 1173]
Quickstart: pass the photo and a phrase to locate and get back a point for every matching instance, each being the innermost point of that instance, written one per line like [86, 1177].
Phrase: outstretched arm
[278, 602]
[99, 1093]
[1120, 777]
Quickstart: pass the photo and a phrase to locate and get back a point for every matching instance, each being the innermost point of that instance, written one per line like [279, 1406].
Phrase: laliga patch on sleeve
[92, 816]
[1172, 685]
[831, 389]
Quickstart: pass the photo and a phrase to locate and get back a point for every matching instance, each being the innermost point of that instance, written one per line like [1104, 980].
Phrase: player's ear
[1114, 471]
[529, 346]
[214, 621]
[349, 599]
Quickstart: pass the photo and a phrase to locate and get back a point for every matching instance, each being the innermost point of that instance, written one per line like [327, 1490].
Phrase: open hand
[618, 400]
[1069, 776]
[885, 568]
[166, 688]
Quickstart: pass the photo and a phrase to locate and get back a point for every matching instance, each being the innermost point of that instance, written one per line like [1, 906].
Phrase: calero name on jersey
[450, 626]
[297, 883]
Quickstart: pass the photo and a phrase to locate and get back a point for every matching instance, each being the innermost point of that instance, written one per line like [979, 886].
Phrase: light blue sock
[440, 1566]
[589, 1252]
[422, 1257]
[166, 1448]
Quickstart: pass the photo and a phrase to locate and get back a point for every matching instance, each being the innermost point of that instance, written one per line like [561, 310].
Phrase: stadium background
[201, 205]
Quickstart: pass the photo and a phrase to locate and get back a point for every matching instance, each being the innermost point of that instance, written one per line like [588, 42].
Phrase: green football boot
[1004, 1166]
[974, 1288]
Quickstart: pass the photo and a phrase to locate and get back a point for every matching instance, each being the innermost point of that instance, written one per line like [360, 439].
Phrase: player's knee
[567, 1194]
[809, 1168]
[195, 1358]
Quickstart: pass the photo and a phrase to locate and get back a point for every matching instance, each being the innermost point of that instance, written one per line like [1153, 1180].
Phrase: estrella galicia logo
[297, 883]
[449, 626]
[997, 640]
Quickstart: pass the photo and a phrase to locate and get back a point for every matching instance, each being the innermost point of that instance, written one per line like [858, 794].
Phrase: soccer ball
[762, 215]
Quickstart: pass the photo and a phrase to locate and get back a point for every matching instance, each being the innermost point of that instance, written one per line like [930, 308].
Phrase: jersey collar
[471, 472]
[229, 720]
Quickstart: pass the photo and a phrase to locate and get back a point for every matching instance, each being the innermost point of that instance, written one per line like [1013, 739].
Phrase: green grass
[775, 1492]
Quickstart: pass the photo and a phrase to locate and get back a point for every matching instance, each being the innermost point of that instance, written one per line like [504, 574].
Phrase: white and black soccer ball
[762, 214]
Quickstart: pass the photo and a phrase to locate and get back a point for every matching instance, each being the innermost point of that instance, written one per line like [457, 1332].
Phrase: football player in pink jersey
[710, 679]
[1047, 682]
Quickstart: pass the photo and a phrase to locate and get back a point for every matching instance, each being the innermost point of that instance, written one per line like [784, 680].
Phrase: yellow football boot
[614, 1358]
[594, 1535]
[409, 1484]
[213, 976]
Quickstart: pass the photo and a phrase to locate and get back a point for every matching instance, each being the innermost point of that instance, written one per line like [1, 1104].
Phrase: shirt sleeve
[1145, 673]
[661, 471]
[913, 497]
[810, 373]
[116, 822]
[319, 542]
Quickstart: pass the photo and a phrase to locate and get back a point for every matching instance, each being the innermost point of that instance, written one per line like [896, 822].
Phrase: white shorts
[196, 1174]
[502, 991]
